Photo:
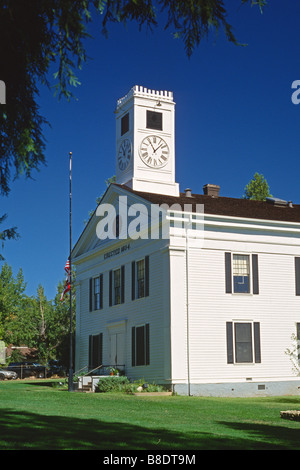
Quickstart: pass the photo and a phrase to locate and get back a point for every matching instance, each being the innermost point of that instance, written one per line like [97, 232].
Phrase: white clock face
[154, 151]
[124, 154]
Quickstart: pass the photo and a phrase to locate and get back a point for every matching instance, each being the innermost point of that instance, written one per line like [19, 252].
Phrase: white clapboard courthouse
[199, 292]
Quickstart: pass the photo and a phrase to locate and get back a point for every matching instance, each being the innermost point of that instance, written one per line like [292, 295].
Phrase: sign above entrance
[117, 251]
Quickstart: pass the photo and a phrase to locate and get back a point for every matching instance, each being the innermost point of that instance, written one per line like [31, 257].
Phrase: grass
[34, 415]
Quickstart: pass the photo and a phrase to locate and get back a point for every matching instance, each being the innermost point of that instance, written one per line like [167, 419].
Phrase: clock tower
[145, 141]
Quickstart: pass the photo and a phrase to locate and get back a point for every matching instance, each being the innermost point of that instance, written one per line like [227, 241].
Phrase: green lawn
[35, 415]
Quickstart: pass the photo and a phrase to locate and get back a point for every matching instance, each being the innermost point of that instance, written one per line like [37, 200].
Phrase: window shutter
[91, 295]
[133, 280]
[147, 344]
[90, 351]
[100, 353]
[95, 351]
[122, 284]
[133, 346]
[257, 342]
[101, 290]
[297, 275]
[229, 335]
[110, 288]
[140, 345]
[146, 276]
[228, 288]
[255, 274]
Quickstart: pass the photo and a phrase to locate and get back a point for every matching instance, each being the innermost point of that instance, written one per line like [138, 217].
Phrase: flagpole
[70, 383]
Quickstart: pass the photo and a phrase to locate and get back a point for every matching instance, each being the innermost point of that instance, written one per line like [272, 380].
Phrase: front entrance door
[117, 350]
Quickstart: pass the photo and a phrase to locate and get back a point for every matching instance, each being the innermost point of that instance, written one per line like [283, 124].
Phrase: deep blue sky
[234, 117]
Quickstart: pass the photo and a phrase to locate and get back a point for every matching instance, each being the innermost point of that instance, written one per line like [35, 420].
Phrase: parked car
[55, 367]
[7, 374]
[28, 369]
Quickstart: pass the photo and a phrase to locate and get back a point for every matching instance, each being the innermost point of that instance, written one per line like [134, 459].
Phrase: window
[140, 278]
[125, 124]
[243, 342]
[140, 345]
[140, 275]
[241, 273]
[95, 351]
[96, 293]
[297, 275]
[117, 286]
[154, 120]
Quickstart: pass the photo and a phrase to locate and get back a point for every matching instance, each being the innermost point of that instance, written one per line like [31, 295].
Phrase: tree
[36, 34]
[27, 327]
[12, 295]
[59, 328]
[257, 188]
[35, 322]
[7, 234]
[294, 354]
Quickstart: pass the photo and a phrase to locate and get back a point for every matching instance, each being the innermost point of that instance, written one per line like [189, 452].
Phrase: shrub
[133, 387]
[111, 384]
[122, 384]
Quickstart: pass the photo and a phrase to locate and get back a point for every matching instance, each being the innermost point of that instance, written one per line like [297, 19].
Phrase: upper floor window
[96, 293]
[241, 273]
[117, 286]
[140, 278]
[140, 281]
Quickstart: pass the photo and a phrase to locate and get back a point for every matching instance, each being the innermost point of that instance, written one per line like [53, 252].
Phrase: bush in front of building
[123, 384]
[112, 384]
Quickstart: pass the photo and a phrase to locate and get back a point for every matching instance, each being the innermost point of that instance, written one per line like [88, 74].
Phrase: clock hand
[158, 147]
[152, 145]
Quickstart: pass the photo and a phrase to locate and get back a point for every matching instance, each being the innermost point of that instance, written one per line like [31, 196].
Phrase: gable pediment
[100, 231]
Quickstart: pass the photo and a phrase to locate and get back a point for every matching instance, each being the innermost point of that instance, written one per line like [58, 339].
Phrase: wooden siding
[121, 318]
[276, 308]
[188, 307]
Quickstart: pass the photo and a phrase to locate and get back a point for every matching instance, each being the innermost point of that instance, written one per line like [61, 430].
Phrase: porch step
[86, 388]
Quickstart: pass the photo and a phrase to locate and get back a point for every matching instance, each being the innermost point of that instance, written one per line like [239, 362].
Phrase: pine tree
[257, 188]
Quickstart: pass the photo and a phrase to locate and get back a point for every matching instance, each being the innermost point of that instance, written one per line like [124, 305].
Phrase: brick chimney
[211, 190]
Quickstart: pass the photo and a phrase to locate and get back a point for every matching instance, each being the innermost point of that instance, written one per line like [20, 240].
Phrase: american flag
[67, 284]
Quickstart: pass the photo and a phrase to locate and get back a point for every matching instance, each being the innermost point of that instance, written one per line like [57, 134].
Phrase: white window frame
[114, 287]
[96, 295]
[248, 322]
[250, 291]
[142, 279]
